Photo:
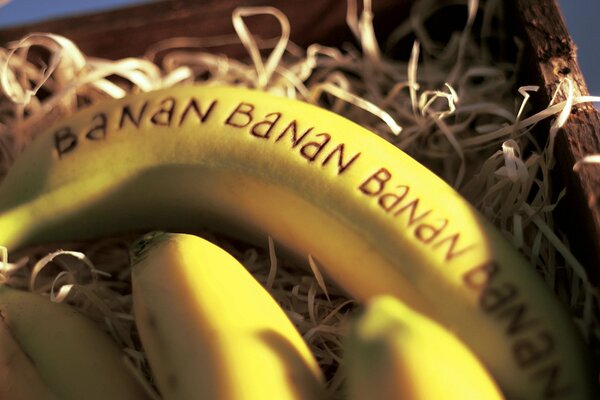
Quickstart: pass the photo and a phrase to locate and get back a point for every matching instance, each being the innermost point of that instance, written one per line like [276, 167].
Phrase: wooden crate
[553, 57]
[550, 50]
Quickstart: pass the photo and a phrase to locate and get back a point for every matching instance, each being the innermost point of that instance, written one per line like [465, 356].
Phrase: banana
[392, 352]
[70, 357]
[251, 164]
[210, 330]
[19, 380]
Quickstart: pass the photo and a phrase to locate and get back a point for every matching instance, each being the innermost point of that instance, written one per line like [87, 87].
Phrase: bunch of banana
[210, 330]
[392, 352]
[250, 164]
[51, 351]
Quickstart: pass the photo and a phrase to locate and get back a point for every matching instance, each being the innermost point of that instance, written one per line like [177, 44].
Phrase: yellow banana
[19, 380]
[251, 164]
[392, 352]
[74, 358]
[210, 330]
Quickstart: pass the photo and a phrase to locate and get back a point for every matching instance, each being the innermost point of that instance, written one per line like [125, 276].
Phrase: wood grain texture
[130, 31]
[555, 58]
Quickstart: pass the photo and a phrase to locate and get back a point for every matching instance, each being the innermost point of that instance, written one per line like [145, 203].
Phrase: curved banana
[394, 353]
[210, 330]
[251, 164]
[19, 379]
[74, 358]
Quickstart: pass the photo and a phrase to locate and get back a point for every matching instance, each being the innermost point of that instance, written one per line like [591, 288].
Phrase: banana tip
[140, 248]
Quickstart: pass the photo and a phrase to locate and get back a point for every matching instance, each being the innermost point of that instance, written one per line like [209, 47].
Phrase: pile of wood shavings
[451, 106]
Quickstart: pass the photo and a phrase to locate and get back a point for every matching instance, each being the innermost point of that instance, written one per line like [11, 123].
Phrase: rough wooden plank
[555, 57]
[129, 31]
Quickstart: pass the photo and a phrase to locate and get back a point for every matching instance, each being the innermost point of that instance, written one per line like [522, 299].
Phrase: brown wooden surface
[130, 31]
[555, 57]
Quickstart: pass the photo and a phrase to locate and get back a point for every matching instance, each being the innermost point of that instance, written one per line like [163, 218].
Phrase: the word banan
[313, 146]
[532, 345]
[400, 203]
